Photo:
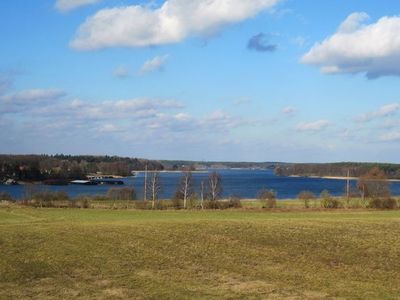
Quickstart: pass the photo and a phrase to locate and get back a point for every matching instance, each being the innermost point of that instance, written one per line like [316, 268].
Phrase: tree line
[391, 171]
[69, 167]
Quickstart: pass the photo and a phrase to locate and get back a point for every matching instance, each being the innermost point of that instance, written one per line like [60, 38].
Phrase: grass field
[111, 254]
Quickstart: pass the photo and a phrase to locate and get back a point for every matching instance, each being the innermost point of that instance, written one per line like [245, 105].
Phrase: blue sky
[255, 80]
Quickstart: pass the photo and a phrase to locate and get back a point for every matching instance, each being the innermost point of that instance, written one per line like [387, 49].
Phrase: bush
[160, 205]
[306, 197]
[177, 202]
[383, 203]
[142, 204]
[327, 201]
[267, 198]
[81, 202]
[389, 203]
[234, 202]
[47, 199]
[193, 202]
[211, 204]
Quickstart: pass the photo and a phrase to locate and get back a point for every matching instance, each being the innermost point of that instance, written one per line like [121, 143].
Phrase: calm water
[245, 183]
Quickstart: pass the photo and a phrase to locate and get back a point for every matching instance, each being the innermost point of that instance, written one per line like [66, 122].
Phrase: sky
[221, 80]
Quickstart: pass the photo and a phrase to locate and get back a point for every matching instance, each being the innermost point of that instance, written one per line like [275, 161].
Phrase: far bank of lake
[242, 182]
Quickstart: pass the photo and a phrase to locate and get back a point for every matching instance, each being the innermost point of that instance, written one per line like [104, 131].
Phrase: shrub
[389, 203]
[327, 201]
[193, 202]
[267, 198]
[383, 203]
[211, 204]
[234, 202]
[142, 204]
[177, 201]
[85, 203]
[47, 199]
[160, 205]
[306, 197]
[355, 203]
[81, 202]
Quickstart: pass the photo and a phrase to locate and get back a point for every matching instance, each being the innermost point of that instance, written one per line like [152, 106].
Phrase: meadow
[48, 253]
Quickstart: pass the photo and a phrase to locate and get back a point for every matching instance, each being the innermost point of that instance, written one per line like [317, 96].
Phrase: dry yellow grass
[111, 254]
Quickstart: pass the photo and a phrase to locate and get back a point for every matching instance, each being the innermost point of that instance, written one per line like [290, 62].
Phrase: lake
[244, 183]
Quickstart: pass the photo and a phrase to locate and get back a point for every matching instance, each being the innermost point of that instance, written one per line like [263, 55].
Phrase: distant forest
[181, 164]
[392, 171]
[68, 167]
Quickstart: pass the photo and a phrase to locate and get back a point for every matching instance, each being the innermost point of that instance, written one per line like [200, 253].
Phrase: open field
[235, 254]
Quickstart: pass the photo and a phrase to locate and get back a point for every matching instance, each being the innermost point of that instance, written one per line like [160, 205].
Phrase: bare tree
[145, 185]
[185, 187]
[267, 198]
[202, 194]
[154, 183]
[374, 184]
[214, 186]
[306, 197]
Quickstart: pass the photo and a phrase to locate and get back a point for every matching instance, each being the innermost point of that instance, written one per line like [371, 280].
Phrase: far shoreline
[336, 177]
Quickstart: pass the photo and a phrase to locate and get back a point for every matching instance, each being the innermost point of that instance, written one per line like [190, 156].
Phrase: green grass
[233, 254]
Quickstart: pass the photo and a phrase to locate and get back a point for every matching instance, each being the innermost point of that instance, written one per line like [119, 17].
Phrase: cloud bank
[23, 100]
[41, 114]
[172, 22]
[372, 49]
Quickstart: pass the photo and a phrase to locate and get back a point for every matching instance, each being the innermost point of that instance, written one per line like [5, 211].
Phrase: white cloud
[108, 128]
[353, 22]
[121, 72]
[391, 136]
[383, 112]
[29, 98]
[138, 109]
[373, 49]
[32, 95]
[313, 126]
[155, 64]
[183, 117]
[68, 5]
[174, 21]
[221, 120]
